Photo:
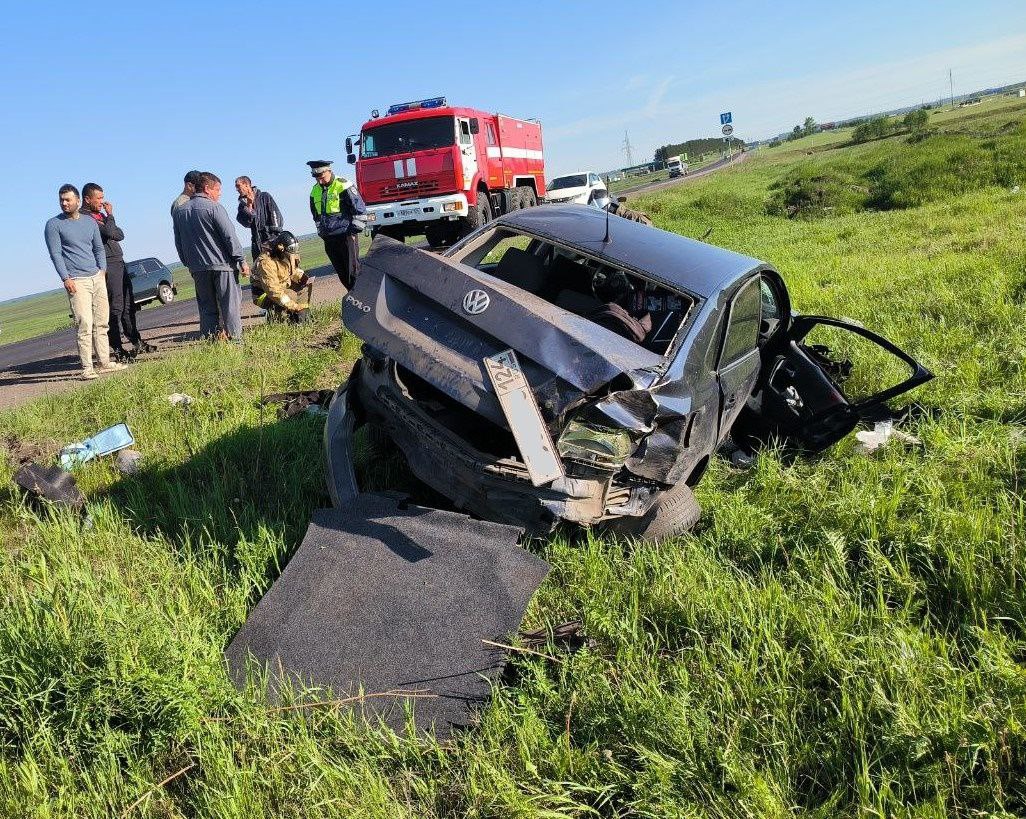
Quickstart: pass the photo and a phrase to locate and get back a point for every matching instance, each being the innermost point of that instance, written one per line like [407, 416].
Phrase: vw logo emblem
[476, 302]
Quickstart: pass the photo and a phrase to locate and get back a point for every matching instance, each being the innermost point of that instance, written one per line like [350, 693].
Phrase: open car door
[820, 379]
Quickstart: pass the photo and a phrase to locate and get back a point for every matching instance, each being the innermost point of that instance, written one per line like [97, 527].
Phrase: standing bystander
[188, 189]
[259, 212]
[207, 245]
[120, 295]
[76, 250]
[338, 211]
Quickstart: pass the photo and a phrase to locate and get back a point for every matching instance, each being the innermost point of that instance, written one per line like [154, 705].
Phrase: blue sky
[133, 95]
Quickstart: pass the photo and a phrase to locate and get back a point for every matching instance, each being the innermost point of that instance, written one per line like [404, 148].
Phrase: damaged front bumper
[495, 488]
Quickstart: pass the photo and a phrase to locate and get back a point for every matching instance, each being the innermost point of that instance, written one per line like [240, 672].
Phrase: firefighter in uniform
[284, 289]
[338, 210]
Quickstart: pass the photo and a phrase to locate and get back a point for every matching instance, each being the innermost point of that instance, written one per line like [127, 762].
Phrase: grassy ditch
[840, 637]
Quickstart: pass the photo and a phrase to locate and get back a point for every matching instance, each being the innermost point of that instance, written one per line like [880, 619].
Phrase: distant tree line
[693, 148]
[808, 128]
[914, 123]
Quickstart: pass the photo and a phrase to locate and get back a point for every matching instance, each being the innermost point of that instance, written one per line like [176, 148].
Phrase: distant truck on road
[441, 170]
[677, 166]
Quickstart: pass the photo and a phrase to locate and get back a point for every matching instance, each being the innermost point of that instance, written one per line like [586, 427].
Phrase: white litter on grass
[180, 399]
[870, 440]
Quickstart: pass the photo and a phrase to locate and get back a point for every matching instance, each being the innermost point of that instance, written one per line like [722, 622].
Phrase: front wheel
[675, 512]
[165, 293]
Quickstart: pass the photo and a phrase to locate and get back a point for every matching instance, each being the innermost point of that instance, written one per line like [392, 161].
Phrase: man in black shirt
[119, 283]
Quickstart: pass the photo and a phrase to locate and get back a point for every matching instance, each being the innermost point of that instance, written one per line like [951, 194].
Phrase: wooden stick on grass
[156, 788]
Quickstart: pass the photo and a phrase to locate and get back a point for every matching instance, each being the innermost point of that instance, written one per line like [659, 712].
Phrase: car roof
[573, 173]
[682, 263]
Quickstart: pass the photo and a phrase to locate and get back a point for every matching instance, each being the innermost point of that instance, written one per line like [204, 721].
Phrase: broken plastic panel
[103, 443]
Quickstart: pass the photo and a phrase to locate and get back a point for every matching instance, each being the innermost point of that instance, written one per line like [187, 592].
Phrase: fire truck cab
[430, 168]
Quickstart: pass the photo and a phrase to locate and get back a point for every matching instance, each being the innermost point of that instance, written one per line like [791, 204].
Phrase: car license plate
[407, 211]
[524, 418]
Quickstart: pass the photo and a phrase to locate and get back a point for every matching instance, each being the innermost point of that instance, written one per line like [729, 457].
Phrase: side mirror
[351, 159]
[349, 145]
[475, 126]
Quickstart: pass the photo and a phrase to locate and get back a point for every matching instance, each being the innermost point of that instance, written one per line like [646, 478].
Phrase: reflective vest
[332, 202]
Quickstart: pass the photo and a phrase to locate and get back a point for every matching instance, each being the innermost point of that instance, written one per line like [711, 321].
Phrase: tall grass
[841, 636]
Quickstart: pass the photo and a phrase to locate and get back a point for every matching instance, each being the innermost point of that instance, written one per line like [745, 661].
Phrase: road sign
[727, 130]
[726, 118]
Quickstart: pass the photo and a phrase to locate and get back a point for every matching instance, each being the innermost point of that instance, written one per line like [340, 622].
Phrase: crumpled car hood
[409, 305]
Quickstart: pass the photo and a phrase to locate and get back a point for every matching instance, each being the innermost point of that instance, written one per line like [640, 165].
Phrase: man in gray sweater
[206, 243]
[76, 251]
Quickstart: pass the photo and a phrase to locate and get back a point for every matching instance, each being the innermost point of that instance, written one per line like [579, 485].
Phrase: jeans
[92, 313]
[220, 303]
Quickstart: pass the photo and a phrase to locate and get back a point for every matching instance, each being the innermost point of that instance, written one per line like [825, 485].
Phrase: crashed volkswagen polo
[560, 364]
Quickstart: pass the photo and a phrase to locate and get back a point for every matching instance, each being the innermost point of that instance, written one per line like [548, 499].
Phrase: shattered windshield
[404, 137]
[577, 180]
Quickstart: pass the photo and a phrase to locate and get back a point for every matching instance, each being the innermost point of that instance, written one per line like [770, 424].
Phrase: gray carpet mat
[384, 598]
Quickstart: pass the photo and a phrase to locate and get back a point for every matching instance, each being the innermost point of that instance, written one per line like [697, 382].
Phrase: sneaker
[112, 366]
[145, 347]
[89, 375]
[122, 356]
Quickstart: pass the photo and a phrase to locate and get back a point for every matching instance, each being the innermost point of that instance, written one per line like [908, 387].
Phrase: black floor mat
[391, 598]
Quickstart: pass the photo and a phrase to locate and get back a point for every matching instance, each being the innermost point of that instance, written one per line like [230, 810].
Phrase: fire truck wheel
[527, 197]
[508, 200]
[435, 234]
[480, 214]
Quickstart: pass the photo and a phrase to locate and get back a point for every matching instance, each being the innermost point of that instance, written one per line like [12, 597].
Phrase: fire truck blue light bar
[434, 102]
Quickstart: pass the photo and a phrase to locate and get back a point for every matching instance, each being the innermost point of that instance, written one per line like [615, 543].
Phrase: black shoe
[145, 347]
[121, 356]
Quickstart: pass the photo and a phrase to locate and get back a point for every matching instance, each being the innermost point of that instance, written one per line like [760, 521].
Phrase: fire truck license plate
[524, 418]
[407, 211]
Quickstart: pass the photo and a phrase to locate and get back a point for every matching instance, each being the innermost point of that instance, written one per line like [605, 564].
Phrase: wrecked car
[560, 364]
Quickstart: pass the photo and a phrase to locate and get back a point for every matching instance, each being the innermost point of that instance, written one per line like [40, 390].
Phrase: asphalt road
[648, 187]
[49, 363]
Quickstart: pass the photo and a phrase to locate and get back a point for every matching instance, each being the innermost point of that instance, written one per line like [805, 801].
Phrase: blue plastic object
[102, 443]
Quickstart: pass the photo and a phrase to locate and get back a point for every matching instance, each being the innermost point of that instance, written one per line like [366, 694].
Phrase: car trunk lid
[441, 319]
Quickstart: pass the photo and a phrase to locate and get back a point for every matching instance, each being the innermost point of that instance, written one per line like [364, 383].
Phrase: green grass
[843, 636]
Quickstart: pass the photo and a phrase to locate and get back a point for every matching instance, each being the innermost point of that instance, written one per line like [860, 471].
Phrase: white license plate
[407, 211]
[524, 418]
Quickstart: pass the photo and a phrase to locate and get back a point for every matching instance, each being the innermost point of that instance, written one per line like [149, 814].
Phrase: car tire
[165, 293]
[674, 512]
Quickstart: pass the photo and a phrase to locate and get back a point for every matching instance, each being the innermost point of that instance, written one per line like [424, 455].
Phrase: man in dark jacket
[119, 283]
[259, 212]
[339, 212]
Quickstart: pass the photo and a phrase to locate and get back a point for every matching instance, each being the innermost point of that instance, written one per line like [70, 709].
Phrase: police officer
[338, 210]
[280, 280]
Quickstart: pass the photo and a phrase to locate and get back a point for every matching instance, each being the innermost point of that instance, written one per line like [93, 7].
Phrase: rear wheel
[509, 200]
[675, 512]
[528, 199]
[166, 293]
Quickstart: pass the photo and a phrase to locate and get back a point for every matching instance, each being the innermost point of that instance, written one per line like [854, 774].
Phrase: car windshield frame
[407, 136]
[581, 182]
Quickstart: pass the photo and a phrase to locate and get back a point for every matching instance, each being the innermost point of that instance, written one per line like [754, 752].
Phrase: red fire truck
[432, 168]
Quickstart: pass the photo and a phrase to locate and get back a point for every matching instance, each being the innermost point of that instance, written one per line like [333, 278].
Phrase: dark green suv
[151, 280]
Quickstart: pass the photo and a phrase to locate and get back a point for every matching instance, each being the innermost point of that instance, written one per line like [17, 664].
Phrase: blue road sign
[725, 118]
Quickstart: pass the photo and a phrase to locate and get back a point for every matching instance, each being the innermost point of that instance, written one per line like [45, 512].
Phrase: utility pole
[951, 88]
[628, 150]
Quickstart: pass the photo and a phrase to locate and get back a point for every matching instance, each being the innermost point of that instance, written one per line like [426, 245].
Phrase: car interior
[641, 311]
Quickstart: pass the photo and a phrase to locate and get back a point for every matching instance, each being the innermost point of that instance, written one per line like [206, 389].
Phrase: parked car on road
[575, 188]
[562, 364]
[152, 280]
